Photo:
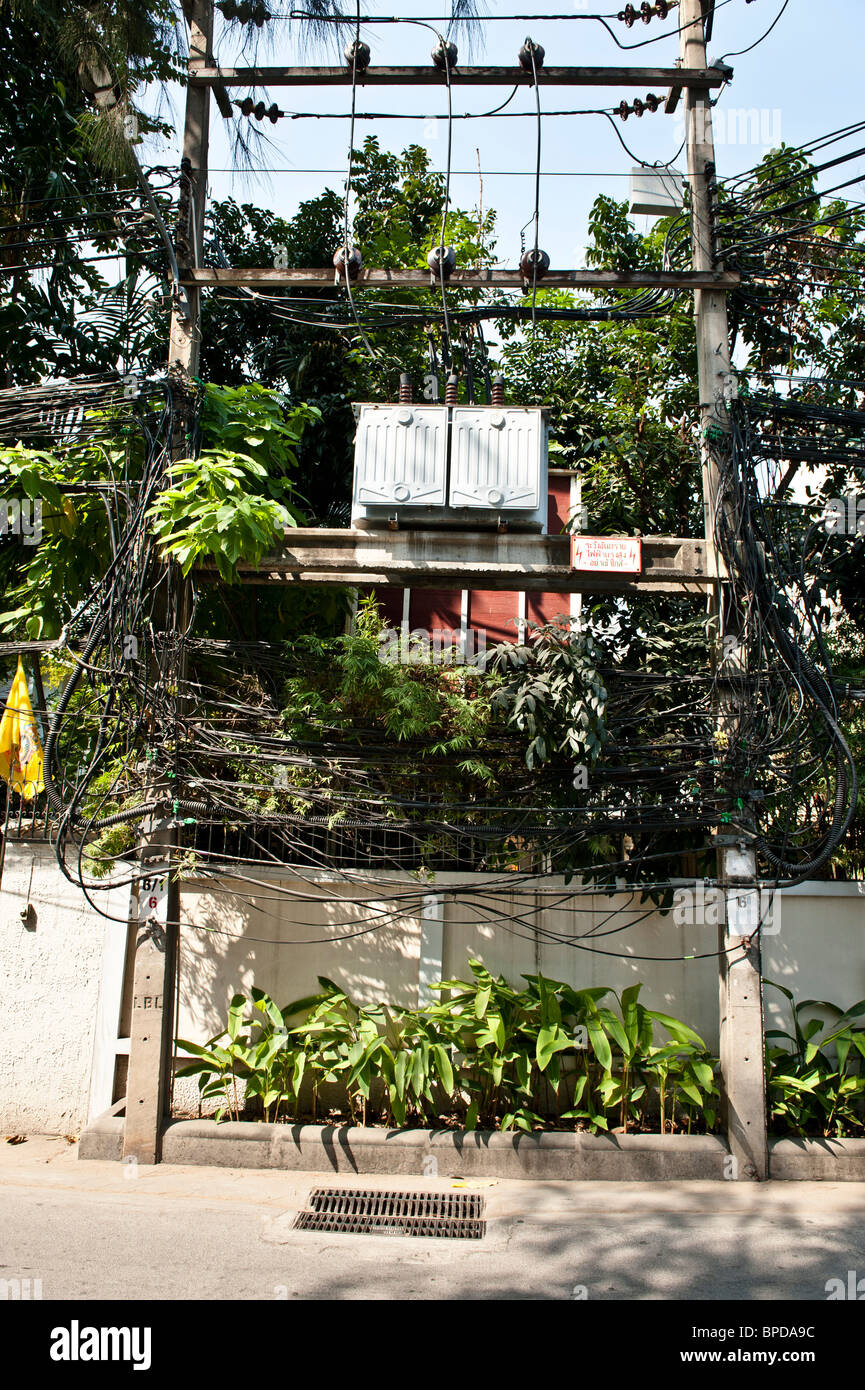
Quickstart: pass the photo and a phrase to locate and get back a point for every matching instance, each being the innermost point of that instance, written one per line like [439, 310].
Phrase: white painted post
[522, 616]
[576, 507]
[105, 1040]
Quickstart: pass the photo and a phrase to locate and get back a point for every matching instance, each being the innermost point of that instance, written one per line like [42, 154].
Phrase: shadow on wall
[590, 940]
[282, 935]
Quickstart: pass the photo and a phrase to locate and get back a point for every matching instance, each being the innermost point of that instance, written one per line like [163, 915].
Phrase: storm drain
[452, 1215]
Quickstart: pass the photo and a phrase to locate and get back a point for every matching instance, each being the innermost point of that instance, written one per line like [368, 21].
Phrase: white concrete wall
[818, 951]
[235, 936]
[280, 936]
[814, 943]
[594, 940]
[51, 976]
[60, 983]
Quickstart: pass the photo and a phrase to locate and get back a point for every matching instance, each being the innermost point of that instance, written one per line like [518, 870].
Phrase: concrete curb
[103, 1138]
[298, 1148]
[817, 1160]
[484, 1153]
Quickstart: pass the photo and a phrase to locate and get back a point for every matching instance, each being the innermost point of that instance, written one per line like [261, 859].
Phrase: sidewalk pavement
[92, 1230]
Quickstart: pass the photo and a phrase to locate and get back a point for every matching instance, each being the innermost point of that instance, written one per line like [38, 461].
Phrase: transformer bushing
[357, 55]
[534, 264]
[355, 262]
[442, 265]
[444, 55]
[529, 50]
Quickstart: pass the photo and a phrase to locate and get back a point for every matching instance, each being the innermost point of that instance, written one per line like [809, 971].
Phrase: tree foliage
[259, 338]
[64, 152]
[233, 499]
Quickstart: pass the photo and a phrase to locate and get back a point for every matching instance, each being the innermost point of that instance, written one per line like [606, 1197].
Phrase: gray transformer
[460, 466]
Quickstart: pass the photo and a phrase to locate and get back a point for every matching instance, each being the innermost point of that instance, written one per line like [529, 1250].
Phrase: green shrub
[488, 1054]
[815, 1076]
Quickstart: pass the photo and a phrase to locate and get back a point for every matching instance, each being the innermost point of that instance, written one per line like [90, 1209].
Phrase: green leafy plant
[683, 1060]
[230, 502]
[219, 1066]
[215, 508]
[348, 685]
[106, 795]
[815, 1076]
[682, 1075]
[42, 583]
[554, 694]
[261, 1059]
[394, 1051]
[485, 1054]
[485, 1022]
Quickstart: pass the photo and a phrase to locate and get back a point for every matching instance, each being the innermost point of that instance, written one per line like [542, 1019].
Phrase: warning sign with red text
[607, 554]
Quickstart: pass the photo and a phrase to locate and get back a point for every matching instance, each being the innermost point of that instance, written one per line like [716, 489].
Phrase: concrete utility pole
[741, 1005]
[185, 338]
[156, 899]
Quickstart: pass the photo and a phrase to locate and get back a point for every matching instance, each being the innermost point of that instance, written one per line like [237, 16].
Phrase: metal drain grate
[378, 1201]
[454, 1215]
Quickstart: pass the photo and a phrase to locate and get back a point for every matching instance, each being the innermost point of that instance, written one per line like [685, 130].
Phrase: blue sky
[803, 80]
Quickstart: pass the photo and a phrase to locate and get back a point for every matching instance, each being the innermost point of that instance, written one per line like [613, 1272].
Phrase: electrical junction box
[452, 466]
[400, 459]
[499, 462]
[657, 192]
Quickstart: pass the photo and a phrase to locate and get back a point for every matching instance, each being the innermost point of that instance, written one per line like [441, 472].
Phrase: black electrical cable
[750, 49]
[531, 48]
[371, 352]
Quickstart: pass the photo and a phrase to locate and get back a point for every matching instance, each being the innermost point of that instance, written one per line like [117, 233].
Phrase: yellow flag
[20, 749]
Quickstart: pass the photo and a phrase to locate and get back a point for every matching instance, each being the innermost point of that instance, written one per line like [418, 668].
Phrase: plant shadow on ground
[607, 1242]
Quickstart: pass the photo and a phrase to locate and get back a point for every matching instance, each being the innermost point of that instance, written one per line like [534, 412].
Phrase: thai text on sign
[607, 554]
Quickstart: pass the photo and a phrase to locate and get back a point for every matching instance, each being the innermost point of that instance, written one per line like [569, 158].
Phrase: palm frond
[249, 146]
[464, 14]
[325, 22]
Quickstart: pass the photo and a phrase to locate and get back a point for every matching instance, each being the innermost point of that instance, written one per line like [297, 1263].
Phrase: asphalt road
[92, 1230]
